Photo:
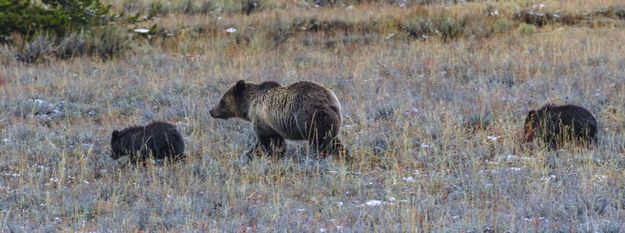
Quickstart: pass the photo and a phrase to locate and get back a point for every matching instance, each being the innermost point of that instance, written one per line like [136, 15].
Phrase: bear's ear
[240, 86]
[532, 114]
[115, 134]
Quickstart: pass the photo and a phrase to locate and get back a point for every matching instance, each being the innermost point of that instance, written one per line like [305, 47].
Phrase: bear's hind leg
[323, 135]
[338, 149]
[329, 146]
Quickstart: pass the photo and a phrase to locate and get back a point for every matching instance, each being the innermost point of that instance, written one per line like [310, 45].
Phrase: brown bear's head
[232, 104]
[117, 149]
[531, 125]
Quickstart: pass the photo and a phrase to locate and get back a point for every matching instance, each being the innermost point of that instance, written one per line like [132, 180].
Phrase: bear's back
[290, 110]
[309, 92]
[569, 114]
[577, 121]
[160, 138]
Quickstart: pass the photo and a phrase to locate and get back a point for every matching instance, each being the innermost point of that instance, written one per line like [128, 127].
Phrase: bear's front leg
[255, 151]
[269, 142]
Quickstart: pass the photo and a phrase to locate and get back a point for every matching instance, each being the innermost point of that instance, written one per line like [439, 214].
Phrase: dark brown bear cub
[158, 140]
[558, 124]
[300, 111]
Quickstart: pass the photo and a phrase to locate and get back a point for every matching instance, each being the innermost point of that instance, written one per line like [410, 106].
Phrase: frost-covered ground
[412, 114]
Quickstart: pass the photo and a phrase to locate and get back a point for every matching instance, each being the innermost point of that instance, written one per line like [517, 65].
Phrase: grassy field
[434, 97]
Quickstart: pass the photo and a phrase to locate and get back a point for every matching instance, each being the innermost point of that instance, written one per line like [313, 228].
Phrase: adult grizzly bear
[558, 124]
[159, 140]
[300, 111]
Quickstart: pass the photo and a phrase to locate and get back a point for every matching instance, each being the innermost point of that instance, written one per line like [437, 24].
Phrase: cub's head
[530, 126]
[117, 150]
[232, 104]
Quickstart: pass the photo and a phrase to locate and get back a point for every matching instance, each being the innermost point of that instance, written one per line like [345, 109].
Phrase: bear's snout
[216, 112]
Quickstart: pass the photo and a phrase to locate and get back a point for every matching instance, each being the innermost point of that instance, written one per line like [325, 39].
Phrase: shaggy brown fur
[159, 140]
[558, 124]
[300, 111]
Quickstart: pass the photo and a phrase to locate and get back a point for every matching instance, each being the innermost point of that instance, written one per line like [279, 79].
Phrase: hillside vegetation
[434, 96]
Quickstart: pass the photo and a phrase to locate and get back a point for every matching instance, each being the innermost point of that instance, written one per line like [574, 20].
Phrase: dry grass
[409, 107]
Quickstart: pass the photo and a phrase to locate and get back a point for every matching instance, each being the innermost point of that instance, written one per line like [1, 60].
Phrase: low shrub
[418, 28]
[59, 28]
[53, 17]
[527, 29]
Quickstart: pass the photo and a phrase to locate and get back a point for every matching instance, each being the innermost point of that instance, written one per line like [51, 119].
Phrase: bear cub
[157, 140]
[300, 111]
[557, 124]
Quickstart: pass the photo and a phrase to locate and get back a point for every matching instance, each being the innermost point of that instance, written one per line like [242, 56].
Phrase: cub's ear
[115, 134]
[240, 86]
[532, 114]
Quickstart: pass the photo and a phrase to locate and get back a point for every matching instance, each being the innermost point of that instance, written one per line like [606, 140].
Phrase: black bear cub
[157, 140]
[557, 124]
